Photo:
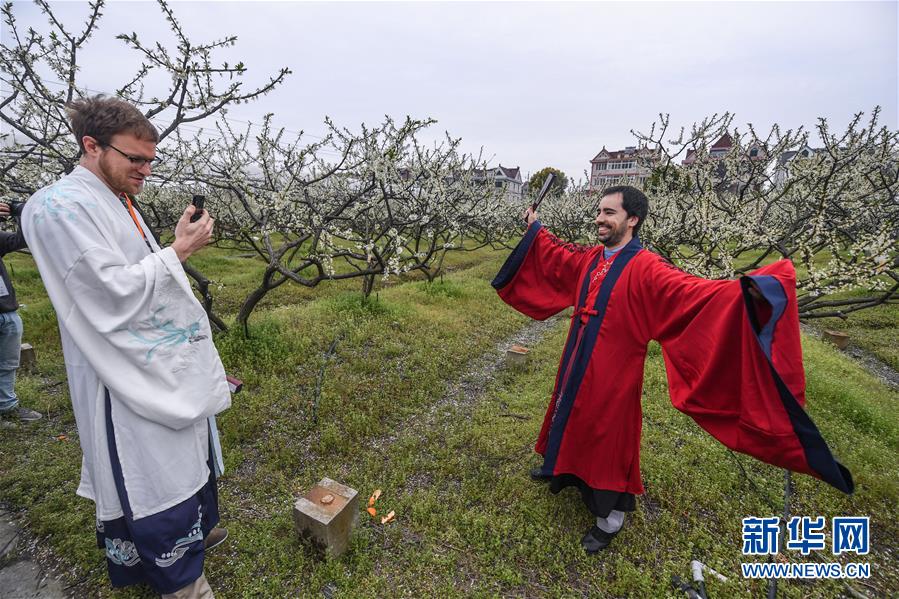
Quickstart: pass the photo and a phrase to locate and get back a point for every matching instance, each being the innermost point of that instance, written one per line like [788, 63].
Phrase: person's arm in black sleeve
[10, 242]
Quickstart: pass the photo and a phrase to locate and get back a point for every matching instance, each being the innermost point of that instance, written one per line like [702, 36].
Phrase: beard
[612, 237]
[118, 176]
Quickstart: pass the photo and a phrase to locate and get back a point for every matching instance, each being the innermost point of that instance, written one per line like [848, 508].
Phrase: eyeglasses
[138, 161]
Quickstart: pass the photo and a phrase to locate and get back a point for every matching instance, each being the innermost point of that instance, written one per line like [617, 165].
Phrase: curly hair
[101, 117]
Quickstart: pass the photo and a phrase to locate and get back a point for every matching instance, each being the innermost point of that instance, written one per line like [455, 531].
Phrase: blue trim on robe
[572, 340]
[116, 464]
[817, 454]
[215, 444]
[773, 292]
[516, 258]
[585, 353]
[164, 550]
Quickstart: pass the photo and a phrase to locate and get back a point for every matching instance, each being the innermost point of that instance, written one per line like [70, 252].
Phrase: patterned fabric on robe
[129, 322]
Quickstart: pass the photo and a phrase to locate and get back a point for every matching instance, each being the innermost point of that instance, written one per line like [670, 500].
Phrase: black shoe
[538, 476]
[596, 539]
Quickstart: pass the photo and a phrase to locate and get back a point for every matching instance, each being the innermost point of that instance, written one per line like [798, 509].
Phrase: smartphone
[543, 191]
[198, 203]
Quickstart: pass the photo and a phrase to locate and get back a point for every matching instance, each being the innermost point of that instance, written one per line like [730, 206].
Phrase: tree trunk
[203, 287]
[368, 284]
[249, 304]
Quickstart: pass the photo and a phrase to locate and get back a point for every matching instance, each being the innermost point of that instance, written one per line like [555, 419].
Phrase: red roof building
[721, 147]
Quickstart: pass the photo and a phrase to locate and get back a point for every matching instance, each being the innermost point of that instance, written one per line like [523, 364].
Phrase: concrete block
[27, 357]
[327, 514]
[517, 355]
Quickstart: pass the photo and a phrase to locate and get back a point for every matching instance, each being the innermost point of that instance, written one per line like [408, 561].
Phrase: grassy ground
[469, 521]
[872, 330]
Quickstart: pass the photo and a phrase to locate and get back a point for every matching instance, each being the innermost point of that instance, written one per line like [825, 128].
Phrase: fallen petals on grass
[61, 438]
[388, 518]
[374, 497]
[372, 511]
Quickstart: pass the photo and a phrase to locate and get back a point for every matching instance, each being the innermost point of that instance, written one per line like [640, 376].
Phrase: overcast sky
[535, 84]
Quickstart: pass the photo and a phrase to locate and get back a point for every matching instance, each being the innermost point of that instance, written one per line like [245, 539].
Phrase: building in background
[718, 151]
[724, 145]
[782, 170]
[619, 166]
[505, 178]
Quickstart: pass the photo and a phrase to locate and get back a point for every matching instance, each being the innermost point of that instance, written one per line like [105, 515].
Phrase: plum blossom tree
[379, 202]
[367, 204]
[722, 214]
[40, 74]
[836, 216]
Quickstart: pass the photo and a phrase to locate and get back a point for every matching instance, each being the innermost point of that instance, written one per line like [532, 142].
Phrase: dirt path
[880, 369]
[459, 400]
[463, 393]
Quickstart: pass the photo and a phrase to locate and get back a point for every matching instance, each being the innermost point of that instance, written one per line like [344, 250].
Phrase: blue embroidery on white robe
[120, 552]
[182, 544]
[168, 335]
[59, 202]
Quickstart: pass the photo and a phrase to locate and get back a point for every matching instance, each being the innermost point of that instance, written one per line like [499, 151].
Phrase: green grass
[873, 330]
[235, 274]
[469, 521]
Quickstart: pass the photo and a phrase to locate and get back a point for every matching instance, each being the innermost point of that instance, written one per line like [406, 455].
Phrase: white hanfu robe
[129, 323]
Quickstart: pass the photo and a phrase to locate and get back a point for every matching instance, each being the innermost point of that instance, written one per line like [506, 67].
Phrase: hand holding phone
[198, 203]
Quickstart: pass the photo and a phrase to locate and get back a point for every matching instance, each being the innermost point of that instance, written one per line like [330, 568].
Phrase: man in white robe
[144, 375]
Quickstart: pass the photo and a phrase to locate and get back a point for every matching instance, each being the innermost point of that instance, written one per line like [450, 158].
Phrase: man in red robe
[731, 348]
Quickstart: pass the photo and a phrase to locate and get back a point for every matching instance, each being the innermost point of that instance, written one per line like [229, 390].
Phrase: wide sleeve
[138, 325]
[734, 363]
[541, 275]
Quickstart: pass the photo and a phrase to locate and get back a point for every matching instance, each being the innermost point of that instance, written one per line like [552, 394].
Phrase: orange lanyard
[140, 229]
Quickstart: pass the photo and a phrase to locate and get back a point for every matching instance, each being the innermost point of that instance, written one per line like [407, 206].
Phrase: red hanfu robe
[734, 364]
